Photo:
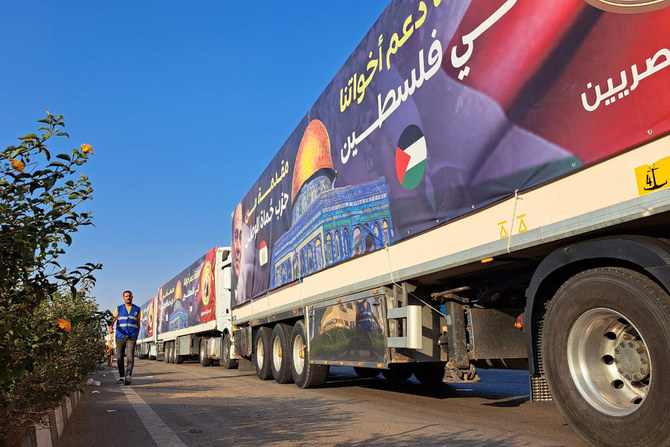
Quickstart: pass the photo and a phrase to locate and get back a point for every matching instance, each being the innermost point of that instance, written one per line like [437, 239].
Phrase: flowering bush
[50, 330]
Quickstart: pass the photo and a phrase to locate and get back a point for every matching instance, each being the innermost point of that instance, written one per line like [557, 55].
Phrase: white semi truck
[483, 184]
[190, 317]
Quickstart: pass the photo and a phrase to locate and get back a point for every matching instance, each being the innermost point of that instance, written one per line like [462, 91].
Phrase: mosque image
[178, 319]
[328, 224]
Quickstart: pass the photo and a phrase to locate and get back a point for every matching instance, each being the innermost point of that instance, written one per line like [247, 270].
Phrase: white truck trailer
[145, 348]
[190, 317]
[483, 184]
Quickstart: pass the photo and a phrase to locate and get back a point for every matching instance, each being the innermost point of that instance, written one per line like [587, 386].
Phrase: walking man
[127, 318]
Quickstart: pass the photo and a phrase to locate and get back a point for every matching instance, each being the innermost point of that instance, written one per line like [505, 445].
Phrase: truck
[190, 317]
[481, 185]
[145, 348]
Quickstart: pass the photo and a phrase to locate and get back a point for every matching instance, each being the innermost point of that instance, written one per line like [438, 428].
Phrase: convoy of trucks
[482, 185]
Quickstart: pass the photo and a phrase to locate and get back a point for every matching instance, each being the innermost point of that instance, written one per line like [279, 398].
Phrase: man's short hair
[128, 291]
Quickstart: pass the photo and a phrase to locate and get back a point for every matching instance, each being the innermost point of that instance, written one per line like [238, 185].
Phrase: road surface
[187, 404]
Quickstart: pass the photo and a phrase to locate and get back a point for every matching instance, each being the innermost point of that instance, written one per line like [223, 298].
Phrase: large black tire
[168, 353]
[305, 374]
[173, 352]
[366, 373]
[227, 345]
[204, 360]
[281, 359]
[262, 353]
[429, 374]
[606, 350]
[398, 372]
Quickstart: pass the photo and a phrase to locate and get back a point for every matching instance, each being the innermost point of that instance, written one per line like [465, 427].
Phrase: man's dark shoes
[120, 381]
[128, 380]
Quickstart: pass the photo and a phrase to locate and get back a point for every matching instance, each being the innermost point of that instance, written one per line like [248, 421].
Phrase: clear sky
[184, 104]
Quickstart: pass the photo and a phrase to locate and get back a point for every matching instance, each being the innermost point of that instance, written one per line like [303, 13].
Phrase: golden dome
[313, 154]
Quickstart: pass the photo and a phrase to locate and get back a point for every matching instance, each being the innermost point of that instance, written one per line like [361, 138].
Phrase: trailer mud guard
[647, 254]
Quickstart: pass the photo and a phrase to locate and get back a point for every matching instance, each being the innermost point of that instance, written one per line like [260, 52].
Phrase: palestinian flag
[410, 157]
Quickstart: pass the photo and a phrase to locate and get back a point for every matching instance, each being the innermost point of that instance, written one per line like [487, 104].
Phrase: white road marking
[162, 435]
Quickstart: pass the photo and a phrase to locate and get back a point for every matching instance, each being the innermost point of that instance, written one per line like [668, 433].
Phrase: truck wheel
[226, 361]
[179, 359]
[281, 360]
[262, 353]
[429, 374]
[204, 360]
[166, 352]
[606, 348]
[398, 372]
[366, 373]
[305, 374]
[173, 353]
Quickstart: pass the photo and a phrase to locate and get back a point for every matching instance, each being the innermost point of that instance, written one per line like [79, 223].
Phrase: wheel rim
[276, 353]
[298, 354]
[260, 353]
[609, 362]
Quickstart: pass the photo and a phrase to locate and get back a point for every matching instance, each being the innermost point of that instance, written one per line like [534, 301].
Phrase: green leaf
[65, 157]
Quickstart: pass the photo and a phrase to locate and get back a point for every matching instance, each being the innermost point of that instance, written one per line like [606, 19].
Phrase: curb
[47, 432]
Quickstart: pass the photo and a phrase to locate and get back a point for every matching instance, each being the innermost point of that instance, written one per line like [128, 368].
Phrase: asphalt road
[177, 405]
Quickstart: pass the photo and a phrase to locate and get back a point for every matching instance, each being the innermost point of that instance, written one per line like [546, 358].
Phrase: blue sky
[184, 104]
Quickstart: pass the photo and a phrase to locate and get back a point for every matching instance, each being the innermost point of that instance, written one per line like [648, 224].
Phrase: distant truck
[145, 348]
[190, 317]
[482, 185]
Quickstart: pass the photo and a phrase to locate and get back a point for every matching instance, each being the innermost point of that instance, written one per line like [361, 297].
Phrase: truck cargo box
[447, 108]
[187, 303]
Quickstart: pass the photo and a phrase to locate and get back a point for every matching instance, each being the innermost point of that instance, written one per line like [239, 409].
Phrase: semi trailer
[482, 185]
[190, 317]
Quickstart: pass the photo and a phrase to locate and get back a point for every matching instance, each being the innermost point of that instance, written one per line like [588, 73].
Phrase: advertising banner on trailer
[147, 323]
[189, 298]
[446, 107]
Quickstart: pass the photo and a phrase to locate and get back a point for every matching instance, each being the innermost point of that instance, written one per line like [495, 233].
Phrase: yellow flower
[18, 165]
[64, 324]
[86, 148]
